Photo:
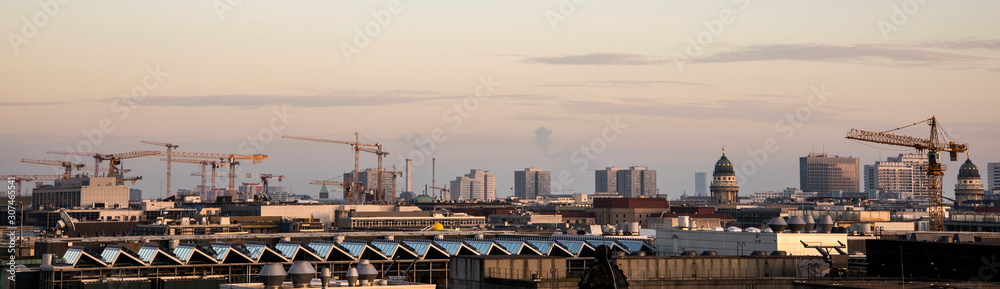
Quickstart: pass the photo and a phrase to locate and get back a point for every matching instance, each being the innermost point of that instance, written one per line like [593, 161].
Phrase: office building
[532, 182]
[969, 189]
[134, 195]
[725, 189]
[636, 182]
[904, 177]
[476, 185]
[633, 182]
[84, 192]
[701, 183]
[824, 173]
[606, 180]
[993, 177]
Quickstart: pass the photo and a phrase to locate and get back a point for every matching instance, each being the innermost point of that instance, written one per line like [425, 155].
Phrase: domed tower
[724, 187]
[970, 184]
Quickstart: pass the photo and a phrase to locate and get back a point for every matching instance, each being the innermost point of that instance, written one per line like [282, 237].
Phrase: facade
[134, 195]
[532, 182]
[701, 183]
[606, 180]
[614, 211]
[476, 185]
[83, 192]
[824, 173]
[725, 189]
[903, 176]
[993, 177]
[969, 189]
[727, 242]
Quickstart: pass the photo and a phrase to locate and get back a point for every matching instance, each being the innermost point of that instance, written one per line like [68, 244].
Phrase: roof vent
[810, 224]
[796, 224]
[352, 276]
[777, 224]
[302, 274]
[272, 275]
[825, 225]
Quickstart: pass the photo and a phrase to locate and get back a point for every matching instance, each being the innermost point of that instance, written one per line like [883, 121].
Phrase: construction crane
[230, 159]
[204, 163]
[443, 189]
[357, 146]
[114, 160]
[69, 166]
[18, 179]
[939, 141]
[170, 150]
[345, 186]
[379, 190]
[263, 179]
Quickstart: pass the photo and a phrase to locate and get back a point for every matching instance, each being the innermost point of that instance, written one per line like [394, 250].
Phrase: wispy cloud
[31, 103]
[599, 58]
[621, 83]
[963, 43]
[829, 52]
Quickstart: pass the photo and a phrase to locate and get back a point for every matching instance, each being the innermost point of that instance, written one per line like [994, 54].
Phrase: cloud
[963, 43]
[828, 52]
[621, 83]
[32, 103]
[542, 141]
[599, 58]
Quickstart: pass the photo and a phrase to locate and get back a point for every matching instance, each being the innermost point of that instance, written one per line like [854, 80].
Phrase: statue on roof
[605, 273]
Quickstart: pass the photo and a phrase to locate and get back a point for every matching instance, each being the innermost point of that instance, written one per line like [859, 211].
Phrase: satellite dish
[65, 218]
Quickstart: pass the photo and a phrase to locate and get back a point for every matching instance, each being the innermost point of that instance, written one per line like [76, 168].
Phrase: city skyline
[607, 84]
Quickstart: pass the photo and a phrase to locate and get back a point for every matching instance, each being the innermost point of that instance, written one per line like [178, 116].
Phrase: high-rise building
[532, 182]
[823, 173]
[476, 185]
[633, 182]
[134, 195]
[636, 182]
[903, 176]
[993, 177]
[969, 189]
[88, 192]
[701, 183]
[369, 181]
[724, 188]
[606, 180]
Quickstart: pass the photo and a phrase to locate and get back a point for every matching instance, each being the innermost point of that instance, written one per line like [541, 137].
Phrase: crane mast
[935, 171]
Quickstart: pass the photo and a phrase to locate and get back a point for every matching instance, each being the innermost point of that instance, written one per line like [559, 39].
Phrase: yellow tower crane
[939, 141]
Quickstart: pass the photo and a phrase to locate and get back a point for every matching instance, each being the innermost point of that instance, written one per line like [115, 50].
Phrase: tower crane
[939, 141]
[263, 179]
[114, 160]
[230, 159]
[170, 150]
[18, 179]
[357, 146]
[345, 186]
[379, 190]
[204, 163]
[69, 166]
[443, 189]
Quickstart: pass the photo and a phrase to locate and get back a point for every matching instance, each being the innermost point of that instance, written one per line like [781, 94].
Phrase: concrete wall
[470, 271]
[647, 268]
[742, 243]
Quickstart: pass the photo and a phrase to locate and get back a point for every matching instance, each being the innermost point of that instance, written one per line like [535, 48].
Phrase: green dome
[423, 199]
[724, 166]
[968, 170]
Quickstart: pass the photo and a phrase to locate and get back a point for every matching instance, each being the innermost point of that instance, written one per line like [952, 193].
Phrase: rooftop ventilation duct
[825, 225]
[810, 224]
[352, 276]
[777, 224]
[272, 275]
[302, 274]
[796, 224]
[324, 277]
[367, 272]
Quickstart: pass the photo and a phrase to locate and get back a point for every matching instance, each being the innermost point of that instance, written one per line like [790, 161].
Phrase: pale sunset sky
[678, 79]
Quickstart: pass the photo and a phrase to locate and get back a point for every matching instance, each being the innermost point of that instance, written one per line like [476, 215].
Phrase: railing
[524, 274]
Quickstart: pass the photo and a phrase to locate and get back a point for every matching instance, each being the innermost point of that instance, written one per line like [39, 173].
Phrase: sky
[567, 86]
